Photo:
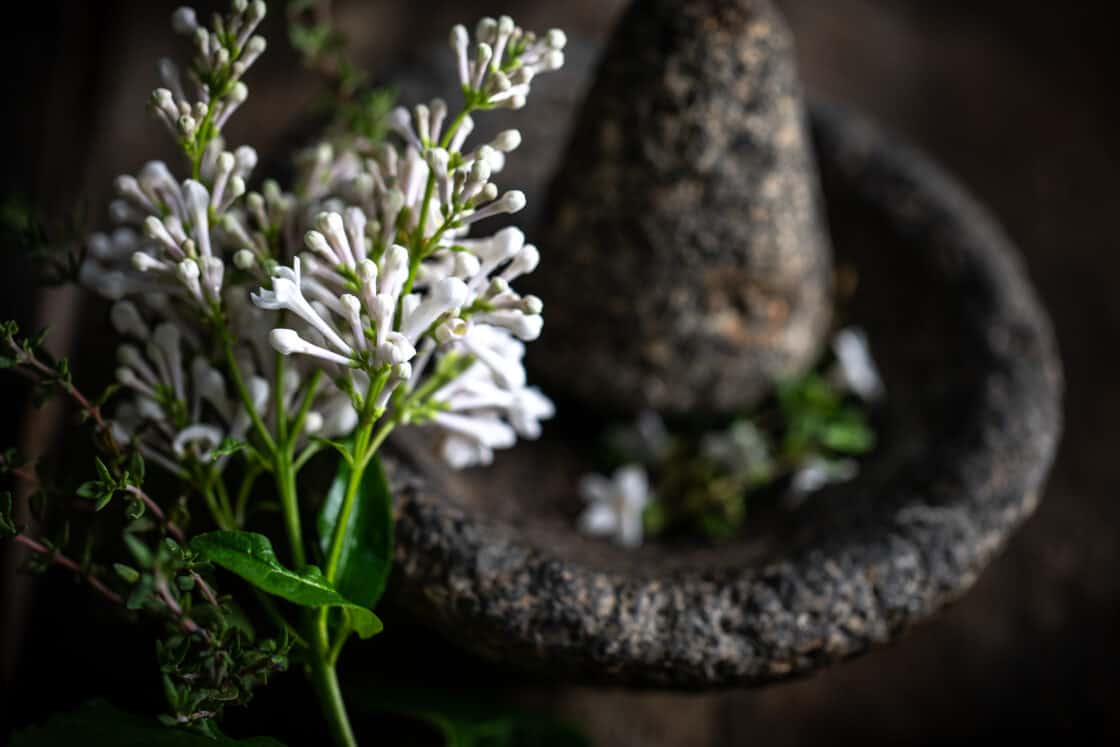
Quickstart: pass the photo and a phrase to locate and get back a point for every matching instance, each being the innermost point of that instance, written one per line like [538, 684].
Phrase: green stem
[357, 468]
[309, 451]
[324, 678]
[223, 498]
[416, 253]
[243, 393]
[289, 501]
[220, 516]
[365, 446]
[305, 406]
[243, 494]
[202, 138]
[339, 641]
[451, 129]
[278, 398]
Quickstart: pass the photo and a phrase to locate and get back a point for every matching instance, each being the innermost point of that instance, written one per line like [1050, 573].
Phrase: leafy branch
[28, 357]
[57, 257]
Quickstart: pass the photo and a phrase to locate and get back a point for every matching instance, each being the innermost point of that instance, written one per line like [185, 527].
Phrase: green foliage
[228, 447]
[98, 724]
[367, 542]
[322, 46]
[250, 556]
[314, 41]
[819, 418]
[703, 482]
[465, 720]
[57, 255]
[201, 678]
[109, 486]
[215, 660]
[127, 573]
[51, 376]
[366, 116]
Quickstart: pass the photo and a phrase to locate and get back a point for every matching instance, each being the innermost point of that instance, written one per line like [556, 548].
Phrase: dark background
[1020, 100]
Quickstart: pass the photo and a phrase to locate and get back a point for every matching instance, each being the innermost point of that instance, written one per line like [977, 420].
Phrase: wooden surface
[1018, 101]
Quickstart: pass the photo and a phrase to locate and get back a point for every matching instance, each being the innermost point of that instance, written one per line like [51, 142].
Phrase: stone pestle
[688, 264]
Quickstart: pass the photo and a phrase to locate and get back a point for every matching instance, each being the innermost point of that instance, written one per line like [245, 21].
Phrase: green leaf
[465, 720]
[98, 724]
[136, 468]
[141, 592]
[91, 489]
[250, 556]
[127, 573]
[139, 550]
[849, 437]
[367, 544]
[227, 447]
[103, 473]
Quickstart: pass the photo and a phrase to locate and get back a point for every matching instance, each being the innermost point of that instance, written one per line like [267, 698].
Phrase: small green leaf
[134, 509]
[136, 468]
[90, 489]
[140, 593]
[103, 500]
[106, 395]
[367, 545]
[227, 447]
[127, 573]
[138, 549]
[851, 437]
[103, 473]
[250, 556]
[98, 724]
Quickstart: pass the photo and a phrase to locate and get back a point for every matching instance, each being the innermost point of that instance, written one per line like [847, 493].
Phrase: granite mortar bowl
[492, 558]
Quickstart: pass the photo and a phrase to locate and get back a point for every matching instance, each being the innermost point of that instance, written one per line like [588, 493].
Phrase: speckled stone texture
[492, 559]
[687, 265]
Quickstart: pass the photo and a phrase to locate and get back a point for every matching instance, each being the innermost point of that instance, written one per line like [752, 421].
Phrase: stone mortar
[493, 561]
[688, 267]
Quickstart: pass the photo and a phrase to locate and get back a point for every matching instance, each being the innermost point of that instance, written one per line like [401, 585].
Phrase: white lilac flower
[107, 268]
[357, 301]
[179, 410]
[487, 267]
[331, 413]
[471, 439]
[855, 368]
[286, 294]
[819, 472]
[615, 506]
[504, 59]
[378, 325]
[342, 319]
[184, 227]
[481, 412]
[175, 412]
[223, 55]
[165, 241]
